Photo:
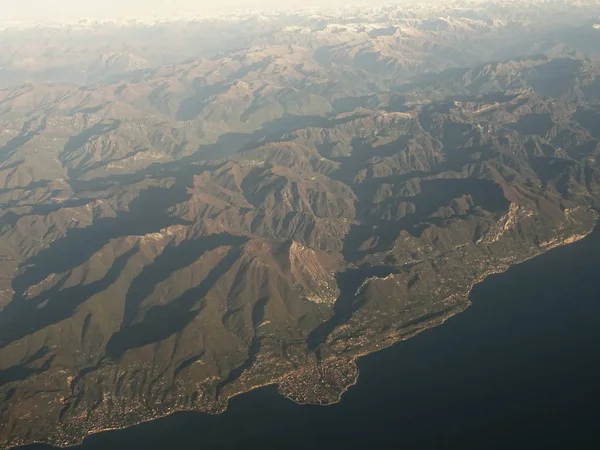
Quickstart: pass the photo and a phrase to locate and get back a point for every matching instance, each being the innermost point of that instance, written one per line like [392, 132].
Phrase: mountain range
[269, 206]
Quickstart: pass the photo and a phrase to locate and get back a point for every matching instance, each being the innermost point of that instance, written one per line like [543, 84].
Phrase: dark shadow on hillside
[559, 173]
[557, 77]
[24, 316]
[171, 259]
[254, 194]
[365, 151]
[387, 31]
[533, 124]
[227, 145]
[28, 188]
[253, 349]
[24, 370]
[347, 303]
[429, 79]
[162, 321]
[191, 107]
[76, 142]
[434, 194]
[349, 104]
[589, 118]
[148, 213]
[11, 147]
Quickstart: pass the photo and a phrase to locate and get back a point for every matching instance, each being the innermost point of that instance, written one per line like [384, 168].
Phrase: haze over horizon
[43, 11]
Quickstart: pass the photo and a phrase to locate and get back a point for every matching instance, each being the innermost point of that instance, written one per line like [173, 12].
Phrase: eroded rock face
[139, 278]
[314, 273]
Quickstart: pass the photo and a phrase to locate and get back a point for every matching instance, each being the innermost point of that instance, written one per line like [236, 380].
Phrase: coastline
[461, 301]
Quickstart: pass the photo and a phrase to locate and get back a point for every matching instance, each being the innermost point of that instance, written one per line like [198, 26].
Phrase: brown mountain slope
[129, 296]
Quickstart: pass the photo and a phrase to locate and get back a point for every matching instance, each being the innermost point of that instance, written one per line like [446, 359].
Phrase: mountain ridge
[267, 216]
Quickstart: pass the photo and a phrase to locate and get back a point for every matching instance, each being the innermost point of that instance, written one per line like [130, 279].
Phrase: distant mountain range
[273, 198]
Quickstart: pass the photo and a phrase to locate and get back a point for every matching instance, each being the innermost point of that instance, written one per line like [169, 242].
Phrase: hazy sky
[52, 10]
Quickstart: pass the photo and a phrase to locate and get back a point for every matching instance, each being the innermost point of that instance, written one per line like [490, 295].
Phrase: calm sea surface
[520, 369]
